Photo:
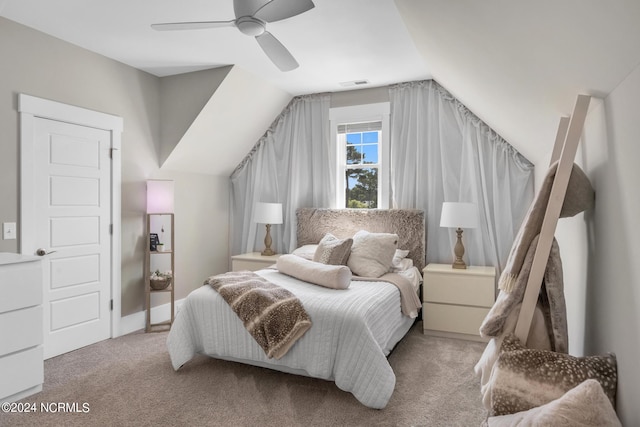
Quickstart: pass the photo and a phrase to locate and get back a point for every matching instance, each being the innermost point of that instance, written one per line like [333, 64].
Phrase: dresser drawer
[453, 318]
[459, 289]
[20, 329]
[20, 285]
[21, 371]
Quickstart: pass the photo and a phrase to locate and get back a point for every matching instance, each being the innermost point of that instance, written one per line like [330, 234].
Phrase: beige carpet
[129, 382]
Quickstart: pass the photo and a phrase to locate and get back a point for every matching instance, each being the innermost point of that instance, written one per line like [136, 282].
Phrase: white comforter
[353, 331]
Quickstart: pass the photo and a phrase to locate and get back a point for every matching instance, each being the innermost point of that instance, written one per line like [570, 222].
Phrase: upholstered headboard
[408, 224]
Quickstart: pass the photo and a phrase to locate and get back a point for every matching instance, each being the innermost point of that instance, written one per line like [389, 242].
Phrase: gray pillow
[333, 251]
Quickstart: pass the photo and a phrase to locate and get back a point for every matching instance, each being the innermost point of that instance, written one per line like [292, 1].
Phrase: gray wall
[599, 248]
[613, 285]
[182, 98]
[42, 66]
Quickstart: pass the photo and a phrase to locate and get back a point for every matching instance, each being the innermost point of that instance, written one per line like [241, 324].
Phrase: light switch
[9, 230]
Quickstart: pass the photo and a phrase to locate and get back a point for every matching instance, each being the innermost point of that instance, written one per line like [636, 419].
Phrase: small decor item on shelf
[159, 281]
[160, 247]
[153, 241]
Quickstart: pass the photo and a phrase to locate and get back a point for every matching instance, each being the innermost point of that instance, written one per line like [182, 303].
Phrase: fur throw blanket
[578, 198]
[550, 301]
[271, 314]
[549, 326]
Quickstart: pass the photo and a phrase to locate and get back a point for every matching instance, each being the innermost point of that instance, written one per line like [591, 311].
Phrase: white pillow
[329, 276]
[583, 406]
[402, 265]
[306, 251]
[400, 261]
[372, 253]
[398, 256]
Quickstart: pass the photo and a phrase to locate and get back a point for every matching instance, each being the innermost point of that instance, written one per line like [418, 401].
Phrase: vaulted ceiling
[517, 65]
[520, 65]
[335, 42]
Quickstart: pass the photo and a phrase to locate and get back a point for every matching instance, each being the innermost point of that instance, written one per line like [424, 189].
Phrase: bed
[353, 330]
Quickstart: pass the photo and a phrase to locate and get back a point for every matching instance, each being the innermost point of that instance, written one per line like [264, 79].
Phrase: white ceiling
[337, 41]
[517, 65]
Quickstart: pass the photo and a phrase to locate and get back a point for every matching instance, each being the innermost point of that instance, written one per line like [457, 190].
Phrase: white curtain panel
[292, 164]
[441, 152]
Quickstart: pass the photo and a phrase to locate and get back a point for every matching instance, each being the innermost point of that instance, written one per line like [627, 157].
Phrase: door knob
[43, 252]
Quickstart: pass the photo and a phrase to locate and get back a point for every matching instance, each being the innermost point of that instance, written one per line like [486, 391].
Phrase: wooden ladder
[564, 151]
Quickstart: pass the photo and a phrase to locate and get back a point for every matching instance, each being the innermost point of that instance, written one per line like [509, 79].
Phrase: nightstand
[252, 261]
[456, 301]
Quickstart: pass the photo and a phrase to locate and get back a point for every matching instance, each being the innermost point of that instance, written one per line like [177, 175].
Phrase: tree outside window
[361, 173]
[360, 137]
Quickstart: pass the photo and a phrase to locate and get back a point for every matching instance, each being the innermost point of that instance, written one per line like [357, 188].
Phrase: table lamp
[459, 215]
[268, 213]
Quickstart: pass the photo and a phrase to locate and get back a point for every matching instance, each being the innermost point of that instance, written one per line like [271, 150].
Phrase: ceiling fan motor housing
[250, 26]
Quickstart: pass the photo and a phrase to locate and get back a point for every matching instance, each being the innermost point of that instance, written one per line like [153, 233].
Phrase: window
[361, 142]
[360, 137]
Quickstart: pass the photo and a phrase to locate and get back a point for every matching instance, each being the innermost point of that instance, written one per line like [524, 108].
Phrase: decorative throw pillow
[400, 262]
[525, 378]
[398, 256]
[583, 406]
[372, 253]
[333, 251]
[329, 276]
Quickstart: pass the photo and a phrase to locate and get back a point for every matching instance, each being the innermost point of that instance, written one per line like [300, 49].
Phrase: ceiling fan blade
[278, 10]
[248, 7]
[278, 54]
[176, 26]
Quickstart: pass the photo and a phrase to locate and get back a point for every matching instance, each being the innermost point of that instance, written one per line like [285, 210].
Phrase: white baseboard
[136, 321]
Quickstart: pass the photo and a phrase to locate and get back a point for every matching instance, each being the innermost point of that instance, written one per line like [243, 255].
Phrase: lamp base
[458, 250]
[269, 252]
[459, 265]
[267, 243]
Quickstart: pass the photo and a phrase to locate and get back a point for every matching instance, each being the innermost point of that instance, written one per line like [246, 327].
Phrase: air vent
[354, 83]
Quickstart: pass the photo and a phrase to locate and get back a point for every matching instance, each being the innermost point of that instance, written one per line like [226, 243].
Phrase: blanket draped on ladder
[549, 327]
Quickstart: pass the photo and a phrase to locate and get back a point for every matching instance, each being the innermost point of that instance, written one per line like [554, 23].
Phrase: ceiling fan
[252, 17]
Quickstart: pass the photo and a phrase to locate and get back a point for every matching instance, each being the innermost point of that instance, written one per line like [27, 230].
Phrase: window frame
[358, 114]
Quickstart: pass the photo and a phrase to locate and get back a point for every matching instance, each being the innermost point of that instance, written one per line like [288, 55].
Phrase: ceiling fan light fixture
[250, 26]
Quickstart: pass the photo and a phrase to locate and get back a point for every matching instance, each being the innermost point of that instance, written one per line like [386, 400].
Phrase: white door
[72, 217]
[70, 209]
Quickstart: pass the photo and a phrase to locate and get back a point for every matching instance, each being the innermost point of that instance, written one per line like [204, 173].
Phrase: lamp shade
[159, 196]
[268, 213]
[459, 215]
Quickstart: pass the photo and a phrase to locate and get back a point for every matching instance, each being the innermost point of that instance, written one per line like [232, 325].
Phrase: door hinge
[111, 305]
[110, 228]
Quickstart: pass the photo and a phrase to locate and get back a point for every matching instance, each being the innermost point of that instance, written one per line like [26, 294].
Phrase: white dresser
[456, 301]
[21, 351]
